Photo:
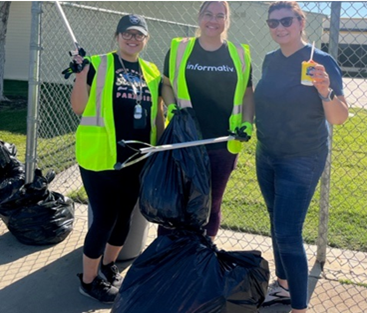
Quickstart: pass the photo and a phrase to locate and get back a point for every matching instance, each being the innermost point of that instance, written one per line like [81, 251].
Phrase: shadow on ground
[13, 253]
[51, 289]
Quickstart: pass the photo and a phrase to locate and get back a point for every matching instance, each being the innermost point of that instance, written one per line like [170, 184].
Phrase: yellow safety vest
[96, 143]
[181, 49]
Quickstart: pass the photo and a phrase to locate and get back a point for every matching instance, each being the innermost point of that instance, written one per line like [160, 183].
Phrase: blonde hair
[202, 9]
[293, 6]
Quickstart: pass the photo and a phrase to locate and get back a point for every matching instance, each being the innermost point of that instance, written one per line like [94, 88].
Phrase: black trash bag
[184, 273]
[26, 195]
[175, 184]
[12, 171]
[37, 216]
[48, 222]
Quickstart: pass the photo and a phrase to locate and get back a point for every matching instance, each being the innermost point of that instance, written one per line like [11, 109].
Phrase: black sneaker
[98, 289]
[110, 272]
[277, 295]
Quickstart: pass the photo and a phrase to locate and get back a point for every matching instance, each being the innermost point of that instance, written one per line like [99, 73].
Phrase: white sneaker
[277, 294]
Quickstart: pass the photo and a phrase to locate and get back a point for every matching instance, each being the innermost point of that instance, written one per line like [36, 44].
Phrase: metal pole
[33, 92]
[325, 178]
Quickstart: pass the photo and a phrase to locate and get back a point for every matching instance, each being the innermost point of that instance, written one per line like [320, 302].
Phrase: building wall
[17, 41]
[94, 31]
[352, 49]
[352, 31]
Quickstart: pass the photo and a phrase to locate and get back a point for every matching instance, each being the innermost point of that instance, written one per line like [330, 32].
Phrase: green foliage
[15, 88]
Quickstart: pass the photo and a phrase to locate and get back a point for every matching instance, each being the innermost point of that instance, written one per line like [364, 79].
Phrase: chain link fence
[335, 230]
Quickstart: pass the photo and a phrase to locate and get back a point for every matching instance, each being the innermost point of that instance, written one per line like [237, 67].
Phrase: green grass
[244, 209]
[79, 196]
[56, 136]
[349, 282]
[243, 205]
[13, 129]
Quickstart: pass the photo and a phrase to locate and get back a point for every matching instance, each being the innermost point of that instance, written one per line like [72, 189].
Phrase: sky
[355, 9]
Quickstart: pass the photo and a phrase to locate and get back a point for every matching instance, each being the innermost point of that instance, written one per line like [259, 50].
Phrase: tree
[4, 15]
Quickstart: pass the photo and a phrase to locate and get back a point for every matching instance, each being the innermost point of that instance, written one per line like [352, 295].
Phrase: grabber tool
[143, 153]
[73, 66]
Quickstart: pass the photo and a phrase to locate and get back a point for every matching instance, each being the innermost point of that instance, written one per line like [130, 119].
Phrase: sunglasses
[137, 36]
[285, 21]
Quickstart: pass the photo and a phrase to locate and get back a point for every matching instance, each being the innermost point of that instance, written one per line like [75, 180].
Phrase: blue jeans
[287, 185]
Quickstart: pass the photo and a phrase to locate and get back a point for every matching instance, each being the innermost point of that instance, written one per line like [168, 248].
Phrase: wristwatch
[329, 97]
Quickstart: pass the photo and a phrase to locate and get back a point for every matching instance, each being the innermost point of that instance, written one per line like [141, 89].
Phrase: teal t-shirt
[289, 117]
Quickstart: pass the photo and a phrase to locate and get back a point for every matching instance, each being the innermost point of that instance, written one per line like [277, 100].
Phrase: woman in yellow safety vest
[213, 76]
[118, 96]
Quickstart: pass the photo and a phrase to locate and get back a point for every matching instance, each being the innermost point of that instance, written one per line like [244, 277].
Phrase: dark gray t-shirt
[211, 81]
[290, 119]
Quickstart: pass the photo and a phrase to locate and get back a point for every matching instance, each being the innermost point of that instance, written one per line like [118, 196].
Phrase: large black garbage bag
[175, 184]
[26, 195]
[184, 273]
[37, 216]
[12, 171]
[48, 222]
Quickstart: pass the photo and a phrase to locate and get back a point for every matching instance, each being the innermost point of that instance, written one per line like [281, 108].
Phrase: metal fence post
[325, 178]
[33, 91]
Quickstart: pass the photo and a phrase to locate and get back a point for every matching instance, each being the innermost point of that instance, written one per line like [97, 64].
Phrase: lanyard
[140, 115]
[138, 96]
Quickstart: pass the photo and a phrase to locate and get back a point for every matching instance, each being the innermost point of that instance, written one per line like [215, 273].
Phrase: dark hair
[290, 5]
[205, 5]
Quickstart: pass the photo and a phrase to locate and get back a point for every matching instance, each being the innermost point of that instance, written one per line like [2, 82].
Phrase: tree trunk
[4, 15]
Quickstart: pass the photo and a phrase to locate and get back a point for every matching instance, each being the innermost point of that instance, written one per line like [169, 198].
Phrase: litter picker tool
[143, 153]
[73, 66]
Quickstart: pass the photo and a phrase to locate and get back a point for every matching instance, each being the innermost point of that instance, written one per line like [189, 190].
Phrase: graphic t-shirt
[290, 118]
[211, 81]
[124, 101]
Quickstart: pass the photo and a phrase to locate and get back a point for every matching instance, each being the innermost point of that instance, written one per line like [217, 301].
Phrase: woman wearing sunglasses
[213, 76]
[293, 143]
[118, 96]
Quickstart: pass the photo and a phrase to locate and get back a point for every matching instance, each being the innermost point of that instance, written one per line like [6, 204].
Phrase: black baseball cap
[132, 21]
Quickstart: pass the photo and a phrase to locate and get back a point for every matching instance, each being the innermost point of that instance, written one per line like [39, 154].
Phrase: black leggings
[112, 197]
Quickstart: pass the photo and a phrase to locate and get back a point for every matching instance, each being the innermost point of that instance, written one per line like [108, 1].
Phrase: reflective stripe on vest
[98, 119]
[237, 108]
[183, 103]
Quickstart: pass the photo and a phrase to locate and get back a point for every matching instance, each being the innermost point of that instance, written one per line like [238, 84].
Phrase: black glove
[73, 66]
[244, 132]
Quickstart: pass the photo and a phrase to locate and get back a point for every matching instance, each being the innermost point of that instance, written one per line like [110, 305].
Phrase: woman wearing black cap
[118, 96]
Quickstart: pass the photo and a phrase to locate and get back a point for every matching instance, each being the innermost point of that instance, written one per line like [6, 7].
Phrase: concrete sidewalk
[43, 279]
